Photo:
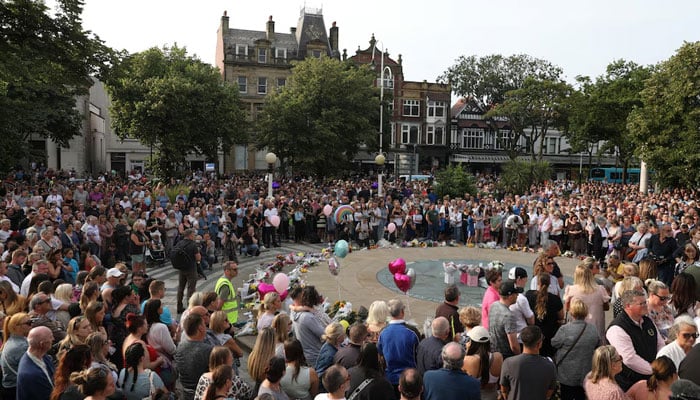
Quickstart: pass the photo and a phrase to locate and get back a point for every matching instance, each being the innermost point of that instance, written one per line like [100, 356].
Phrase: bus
[613, 175]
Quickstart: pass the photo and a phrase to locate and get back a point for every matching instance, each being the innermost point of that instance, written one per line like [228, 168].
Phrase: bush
[454, 181]
[518, 176]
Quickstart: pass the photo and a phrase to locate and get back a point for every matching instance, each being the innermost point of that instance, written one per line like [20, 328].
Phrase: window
[409, 134]
[473, 138]
[262, 85]
[388, 82]
[242, 84]
[281, 54]
[281, 82]
[436, 109]
[434, 135]
[411, 108]
[504, 138]
[316, 53]
[241, 50]
[549, 146]
[439, 135]
[262, 55]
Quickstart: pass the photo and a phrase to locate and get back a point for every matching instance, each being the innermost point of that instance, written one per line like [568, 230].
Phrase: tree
[454, 181]
[46, 61]
[519, 176]
[666, 128]
[322, 117]
[177, 104]
[600, 109]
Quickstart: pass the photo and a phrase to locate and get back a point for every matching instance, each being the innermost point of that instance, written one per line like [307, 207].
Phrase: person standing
[36, 369]
[502, 327]
[450, 310]
[429, 355]
[494, 280]
[635, 336]
[192, 355]
[528, 375]
[397, 343]
[450, 382]
[227, 293]
[521, 308]
[600, 382]
[662, 246]
[410, 384]
[187, 266]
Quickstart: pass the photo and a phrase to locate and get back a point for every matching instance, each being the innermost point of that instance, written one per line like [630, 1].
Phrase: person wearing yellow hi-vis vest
[227, 293]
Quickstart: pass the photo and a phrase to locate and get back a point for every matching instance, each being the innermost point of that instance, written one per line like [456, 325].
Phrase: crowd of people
[82, 318]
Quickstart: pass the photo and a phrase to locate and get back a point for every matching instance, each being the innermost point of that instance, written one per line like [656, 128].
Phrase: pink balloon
[284, 294]
[275, 221]
[403, 282]
[280, 282]
[391, 227]
[265, 288]
[397, 266]
[327, 210]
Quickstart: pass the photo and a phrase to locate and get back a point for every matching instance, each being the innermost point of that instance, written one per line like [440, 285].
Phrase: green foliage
[454, 181]
[45, 62]
[666, 128]
[177, 104]
[518, 176]
[173, 191]
[318, 122]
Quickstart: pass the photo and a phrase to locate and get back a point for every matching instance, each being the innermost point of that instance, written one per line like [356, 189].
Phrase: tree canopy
[46, 60]
[322, 117]
[177, 104]
[666, 128]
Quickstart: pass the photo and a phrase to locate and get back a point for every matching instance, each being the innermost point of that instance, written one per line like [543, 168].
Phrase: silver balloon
[411, 274]
[333, 266]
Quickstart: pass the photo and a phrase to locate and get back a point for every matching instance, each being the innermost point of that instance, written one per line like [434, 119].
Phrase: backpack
[179, 257]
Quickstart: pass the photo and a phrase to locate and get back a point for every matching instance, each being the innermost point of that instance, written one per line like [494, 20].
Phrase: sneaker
[262, 248]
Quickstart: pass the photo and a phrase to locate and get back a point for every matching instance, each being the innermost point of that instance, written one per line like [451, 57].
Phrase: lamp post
[379, 160]
[270, 159]
[384, 70]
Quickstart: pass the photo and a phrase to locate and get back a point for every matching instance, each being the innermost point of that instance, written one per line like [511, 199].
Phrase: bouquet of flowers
[450, 272]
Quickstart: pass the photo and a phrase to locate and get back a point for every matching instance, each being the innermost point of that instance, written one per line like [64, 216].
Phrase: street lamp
[271, 159]
[379, 160]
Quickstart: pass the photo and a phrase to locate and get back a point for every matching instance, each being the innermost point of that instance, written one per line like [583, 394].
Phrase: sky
[582, 37]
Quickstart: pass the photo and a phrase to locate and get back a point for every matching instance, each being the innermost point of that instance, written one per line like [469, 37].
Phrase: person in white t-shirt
[521, 308]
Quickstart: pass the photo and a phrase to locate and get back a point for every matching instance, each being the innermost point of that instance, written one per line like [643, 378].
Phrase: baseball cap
[517, 273]
[508, 287]
[114, 273]
[479, 334]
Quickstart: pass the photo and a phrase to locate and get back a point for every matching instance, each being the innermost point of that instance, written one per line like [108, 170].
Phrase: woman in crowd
[308, 325]
[95, 383]
[63, 295]
[483, 364]
[14, 345]
[73, 360]
[369, 367]
[593, 295]
[377, 317]
[158, 337]
[577, 237]
[138, 327]
[333, 336]
[690, 256]
[221, 357]
[11, 302]
[270, 306]
[657, 304]
[574, 343]
[219, 325]
[273, 375]
[122, 298]
[683, 299]
[686, 335]
[548, 309]
[469, 317]
[282, 325]
[299, 381]
[600, 382]
[137, 246]
[135, 380]
[99, 350]
[545, 264]
[220, 383]
[658, 386]
[78, 330]
[259, 358]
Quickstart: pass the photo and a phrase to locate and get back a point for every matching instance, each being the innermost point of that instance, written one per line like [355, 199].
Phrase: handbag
[152, 388]
[556, 364]
[360, 388]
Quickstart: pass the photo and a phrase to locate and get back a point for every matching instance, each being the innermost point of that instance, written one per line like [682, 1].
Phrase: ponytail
[542, 296]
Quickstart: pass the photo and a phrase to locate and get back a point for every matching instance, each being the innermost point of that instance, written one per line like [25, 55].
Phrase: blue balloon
[341, 248]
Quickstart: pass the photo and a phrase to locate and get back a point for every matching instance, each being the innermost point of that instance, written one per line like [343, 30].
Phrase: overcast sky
[581, 37]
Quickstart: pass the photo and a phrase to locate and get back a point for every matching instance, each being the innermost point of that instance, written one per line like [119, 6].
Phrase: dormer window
[281, 54]
[262, 55]
[241, 50]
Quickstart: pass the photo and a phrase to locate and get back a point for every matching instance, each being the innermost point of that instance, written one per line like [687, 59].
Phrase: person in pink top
[494, 279]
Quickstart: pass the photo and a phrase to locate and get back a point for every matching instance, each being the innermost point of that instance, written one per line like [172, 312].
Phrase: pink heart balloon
[403, 282]
[265, 288]
[397, 266]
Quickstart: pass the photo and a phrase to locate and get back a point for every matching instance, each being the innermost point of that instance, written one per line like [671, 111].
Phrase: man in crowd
[502, 326]
[635, 337]
[39, 267]
[187, 266]
[410, 384]
[349, 355]
[528, 375]
[36, 368]
[663, 246]
[227, 293]
[397, 344]
[250, 243]
[192, 356]
[429, 355]
[521, 308]
[39, 307]
[450, 310]
[450, 382]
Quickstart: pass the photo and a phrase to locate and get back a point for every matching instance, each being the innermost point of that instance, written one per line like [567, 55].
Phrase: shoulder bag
[360, 388]
[585, 325]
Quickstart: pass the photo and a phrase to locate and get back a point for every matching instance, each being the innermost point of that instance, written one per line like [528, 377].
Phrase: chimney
[270, 29]
[224, 23]
[334, 38]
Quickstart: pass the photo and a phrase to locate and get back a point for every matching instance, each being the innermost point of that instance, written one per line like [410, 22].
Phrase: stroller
[155, 255]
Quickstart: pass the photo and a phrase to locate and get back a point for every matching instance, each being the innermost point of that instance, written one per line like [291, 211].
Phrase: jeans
[188, 278]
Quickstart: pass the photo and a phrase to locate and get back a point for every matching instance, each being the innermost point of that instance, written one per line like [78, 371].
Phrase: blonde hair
[378, 313]
[280, 324]
[263, 351]
[470, 316]
[333, 332]
[584, 277]
[578, 309]
[218, 322]
[629, 283]
[602, 363]
[647, 269]
[269, 299]
[64, 292]
[11, 324]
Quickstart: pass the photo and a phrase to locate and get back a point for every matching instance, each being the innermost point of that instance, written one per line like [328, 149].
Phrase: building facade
[260, 62]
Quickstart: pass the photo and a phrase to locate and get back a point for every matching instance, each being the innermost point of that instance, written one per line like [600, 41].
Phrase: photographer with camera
[661, 248]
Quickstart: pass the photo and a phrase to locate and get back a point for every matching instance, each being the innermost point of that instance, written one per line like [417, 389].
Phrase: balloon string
[408, 303]
[337, 281]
